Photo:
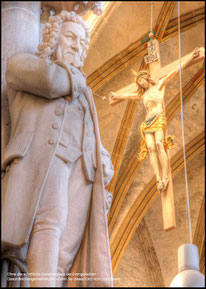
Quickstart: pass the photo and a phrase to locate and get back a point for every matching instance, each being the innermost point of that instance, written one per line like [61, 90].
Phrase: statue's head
[65, 37]
[143, 80]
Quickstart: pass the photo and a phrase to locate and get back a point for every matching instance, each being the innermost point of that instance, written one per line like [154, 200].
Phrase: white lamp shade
[188, 266]
[188, 278]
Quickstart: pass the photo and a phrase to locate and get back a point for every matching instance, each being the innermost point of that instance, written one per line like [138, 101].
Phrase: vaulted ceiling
[143, 254]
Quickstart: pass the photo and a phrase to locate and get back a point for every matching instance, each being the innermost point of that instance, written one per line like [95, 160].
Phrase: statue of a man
[55, 166]
[153, 129]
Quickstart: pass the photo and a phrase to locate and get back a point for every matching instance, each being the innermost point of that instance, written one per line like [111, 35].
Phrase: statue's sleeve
[29, 73]
[77, 80]
[108, 169]
[108, 172]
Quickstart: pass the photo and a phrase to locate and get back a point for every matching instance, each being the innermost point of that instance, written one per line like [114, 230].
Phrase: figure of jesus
[153, 129]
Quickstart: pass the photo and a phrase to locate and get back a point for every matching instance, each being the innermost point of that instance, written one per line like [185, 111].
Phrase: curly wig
[52, 30]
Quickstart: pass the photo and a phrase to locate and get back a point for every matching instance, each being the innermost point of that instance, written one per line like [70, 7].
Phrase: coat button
[58, 111]
[75, 87]
[54, 125]
[51, 141]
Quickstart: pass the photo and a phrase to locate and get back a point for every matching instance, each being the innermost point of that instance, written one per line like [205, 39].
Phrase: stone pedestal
[20, 33]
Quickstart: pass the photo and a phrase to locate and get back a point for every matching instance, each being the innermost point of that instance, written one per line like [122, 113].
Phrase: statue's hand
[196, 52]
[107, 166]
[59, 53]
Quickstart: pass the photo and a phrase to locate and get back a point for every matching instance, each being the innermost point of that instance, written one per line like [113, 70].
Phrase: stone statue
[153, 129]
[55, 167]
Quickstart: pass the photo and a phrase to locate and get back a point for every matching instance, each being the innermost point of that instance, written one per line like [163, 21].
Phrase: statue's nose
[76, 44]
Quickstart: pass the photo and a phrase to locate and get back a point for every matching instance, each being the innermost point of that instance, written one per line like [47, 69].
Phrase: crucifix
[150, 86]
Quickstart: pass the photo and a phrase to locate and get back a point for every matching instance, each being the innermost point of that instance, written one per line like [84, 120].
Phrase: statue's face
[143, 82]
[70, 45]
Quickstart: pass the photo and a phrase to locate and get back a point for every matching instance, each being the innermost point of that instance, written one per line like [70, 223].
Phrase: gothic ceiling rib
[137, 49]
[163, 19]
[187, 21]
[134, 165]
[129, 114]
[145, 199]
[199, 236]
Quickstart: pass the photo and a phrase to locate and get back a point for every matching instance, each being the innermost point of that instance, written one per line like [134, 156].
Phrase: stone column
[20, 33]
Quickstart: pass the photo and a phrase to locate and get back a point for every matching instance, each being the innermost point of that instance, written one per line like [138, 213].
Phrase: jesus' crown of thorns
[140, 73]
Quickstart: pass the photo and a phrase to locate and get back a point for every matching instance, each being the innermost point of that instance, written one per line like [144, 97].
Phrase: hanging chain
[152, 4]
[183, 136]
[151, 34]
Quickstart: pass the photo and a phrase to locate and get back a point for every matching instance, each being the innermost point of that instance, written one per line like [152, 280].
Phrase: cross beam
[132, 87]
[167, 197]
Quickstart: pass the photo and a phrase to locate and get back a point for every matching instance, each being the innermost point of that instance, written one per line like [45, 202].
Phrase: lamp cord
[183, 134]
[151, 16]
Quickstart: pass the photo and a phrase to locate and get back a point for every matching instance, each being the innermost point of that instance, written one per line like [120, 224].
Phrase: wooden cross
[132, 87]
[167, 197]
[156, 72]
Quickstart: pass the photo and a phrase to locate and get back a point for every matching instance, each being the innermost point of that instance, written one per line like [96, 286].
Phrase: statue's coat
[30, 156]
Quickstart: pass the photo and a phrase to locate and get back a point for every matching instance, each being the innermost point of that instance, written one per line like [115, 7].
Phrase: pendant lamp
[188, 267]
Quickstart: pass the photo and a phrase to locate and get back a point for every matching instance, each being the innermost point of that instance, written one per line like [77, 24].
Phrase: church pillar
[20, 33]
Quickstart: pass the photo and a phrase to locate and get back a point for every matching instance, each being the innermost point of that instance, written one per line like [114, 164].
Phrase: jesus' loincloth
[153, 124]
